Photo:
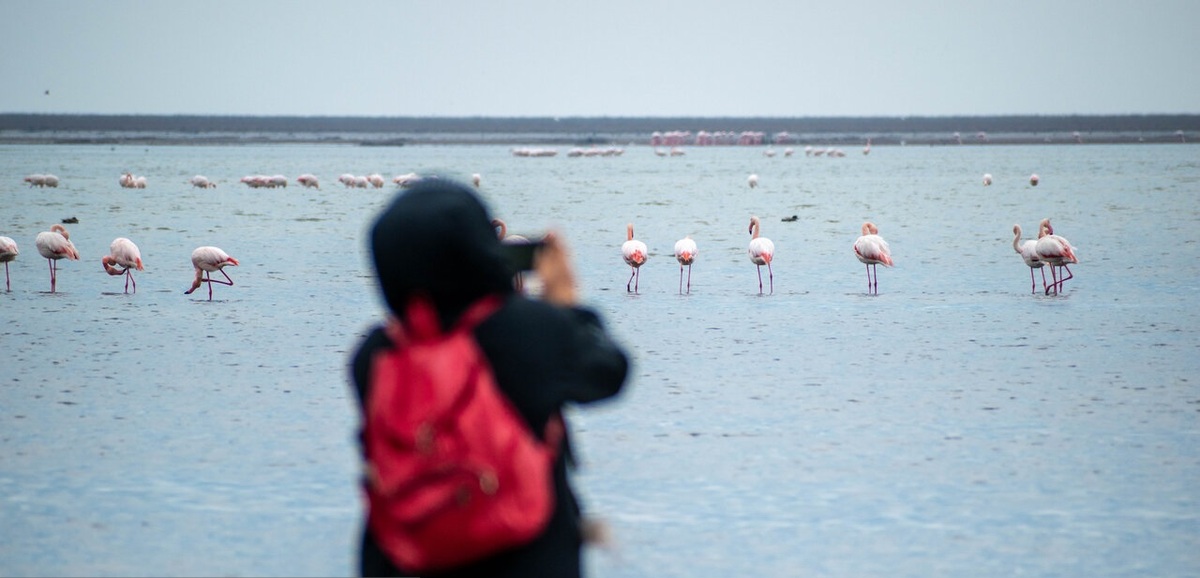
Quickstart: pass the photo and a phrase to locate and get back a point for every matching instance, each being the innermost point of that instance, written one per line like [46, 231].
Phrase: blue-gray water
[953, 425]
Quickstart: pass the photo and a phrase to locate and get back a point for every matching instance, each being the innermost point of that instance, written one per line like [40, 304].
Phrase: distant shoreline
[592, 131]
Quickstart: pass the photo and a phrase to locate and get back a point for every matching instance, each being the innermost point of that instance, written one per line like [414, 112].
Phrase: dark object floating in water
[71, 220]
[790, 219]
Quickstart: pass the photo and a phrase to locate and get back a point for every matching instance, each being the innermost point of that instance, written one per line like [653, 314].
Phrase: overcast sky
[708, 58]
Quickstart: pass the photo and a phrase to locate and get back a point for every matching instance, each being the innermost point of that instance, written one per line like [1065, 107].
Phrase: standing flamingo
[987, 179]
[476, 180]
[1056, 252]
[752, 180]
[1033, 179]
[123, 256]
[872, 250]
[762, 252]
[635, 254]
[685, 253]
[502, 233]
[1026, 249]
[55, 244]
[206, 260]
[8, 252]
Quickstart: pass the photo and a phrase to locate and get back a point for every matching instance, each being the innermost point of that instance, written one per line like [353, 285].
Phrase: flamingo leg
[759, 268]
[53, 274]
[771, 276]
[681, 279]
[1032, 281]
[637, 278]
[1062, 279]
[1053, 281]
[632, 272]
[1043, 277]
[7, 280]
[689, 279]
[129, 279]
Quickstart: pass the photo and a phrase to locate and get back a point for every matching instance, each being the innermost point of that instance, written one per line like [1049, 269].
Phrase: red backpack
[454, 472]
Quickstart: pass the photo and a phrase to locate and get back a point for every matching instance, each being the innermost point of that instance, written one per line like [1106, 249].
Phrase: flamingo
[1054, 251]
[635, 254]
[308, 181]
[8, 252]
[55, 244]
[1026, 249]
[872, 250]
[202, 182]
[762, 252]
[752, 180]
[685, 253]
[1033, 179]
[476, 180]
[502, 233]
[123, 256]
[987, 179]
[867, 149]
[206, 260]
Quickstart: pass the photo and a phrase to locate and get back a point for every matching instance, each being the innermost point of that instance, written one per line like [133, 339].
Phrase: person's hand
[553, 265]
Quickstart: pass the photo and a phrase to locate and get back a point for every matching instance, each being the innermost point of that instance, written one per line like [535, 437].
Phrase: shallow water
[955, 424]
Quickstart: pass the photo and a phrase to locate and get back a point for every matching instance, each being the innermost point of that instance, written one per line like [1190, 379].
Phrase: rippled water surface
[953, 425]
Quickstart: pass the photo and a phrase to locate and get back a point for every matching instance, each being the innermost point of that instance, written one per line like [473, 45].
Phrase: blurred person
[436, 239]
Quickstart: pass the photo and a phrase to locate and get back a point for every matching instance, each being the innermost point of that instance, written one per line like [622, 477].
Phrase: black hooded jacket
[436, 239]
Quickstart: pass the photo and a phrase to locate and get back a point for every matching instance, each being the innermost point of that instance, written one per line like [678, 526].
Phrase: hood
[436, 239]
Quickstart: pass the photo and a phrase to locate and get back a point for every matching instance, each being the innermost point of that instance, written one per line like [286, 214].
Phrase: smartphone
[521, 253]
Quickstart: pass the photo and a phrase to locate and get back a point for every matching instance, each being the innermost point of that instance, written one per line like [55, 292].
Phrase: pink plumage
[872, 250]
[55, 244]
[208, 260]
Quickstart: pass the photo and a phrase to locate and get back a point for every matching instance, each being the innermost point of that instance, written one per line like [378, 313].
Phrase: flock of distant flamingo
[869, 248]
[123, 258]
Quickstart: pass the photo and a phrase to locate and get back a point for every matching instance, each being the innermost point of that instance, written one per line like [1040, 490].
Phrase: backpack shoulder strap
[421, 319]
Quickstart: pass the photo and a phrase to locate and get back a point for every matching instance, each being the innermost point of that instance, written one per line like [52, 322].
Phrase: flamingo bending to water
[206, 260]
[123, 257]
[8, 252]
[1056, 252]
[872, 250]
[56, 244]
[685, 253]
[762, 252]
[1028, 252]
[634, 253]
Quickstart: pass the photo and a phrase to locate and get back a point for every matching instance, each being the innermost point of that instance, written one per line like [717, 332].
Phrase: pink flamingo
[1026, 249]
[987, 179]
[872, 250]
[476, 180]
[206, 260]
[635, 254]
[1033, 179]
[308, 181]
[123, 256]
[685, 253]
[1055, 251]
[762, 252]
[8, 252]
[56, 244]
